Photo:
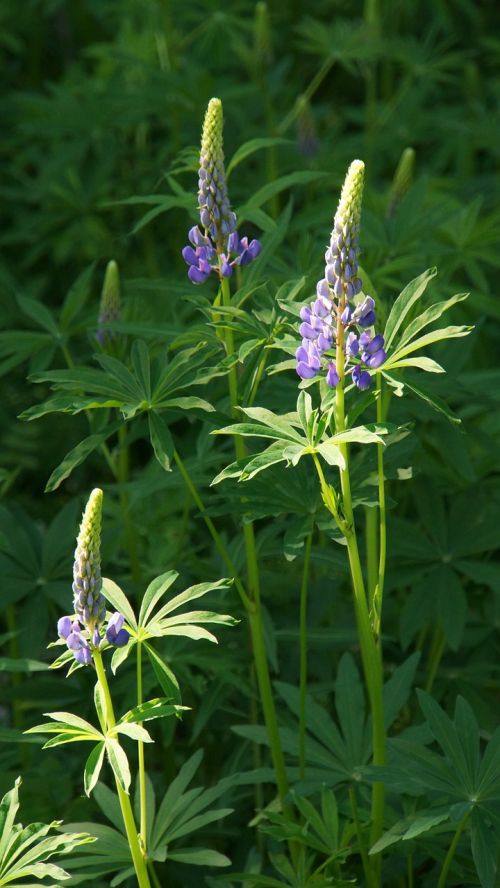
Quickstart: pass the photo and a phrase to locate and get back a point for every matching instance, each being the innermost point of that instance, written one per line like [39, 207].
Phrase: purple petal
[121, 638]
[305, 371]
[83, 656]
[332, 377]
[196, 275]
[64, 627]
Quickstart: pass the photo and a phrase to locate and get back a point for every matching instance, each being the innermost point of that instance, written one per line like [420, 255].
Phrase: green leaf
[445, 734]
[39, 313]
[190, 594]
[267, 192]
[421, 363]
[119, 600]
[78, 455]
[160, 707]
[154, 592]
[429, 316]
[484, 846]
[142, 368]
[397, 689]
[199, 857]
[404, 303]
[161, 440]
[251, 147]
[331, 453]
[119, 762]
[9, 807]
[428, 339]
[135, 732]
[93, 767]
[164, 675]
[77, 296]
[434, 401]
[22, 664]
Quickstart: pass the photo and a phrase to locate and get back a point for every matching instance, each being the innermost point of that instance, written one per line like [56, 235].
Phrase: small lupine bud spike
[402, 181]
[262, 38]
[307, 139]
[89, 604]
[110, 307]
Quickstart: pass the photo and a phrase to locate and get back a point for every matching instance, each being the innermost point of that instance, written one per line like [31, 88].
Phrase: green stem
[142, 770]
[371, 539]
[359, 833]
[451, 851]
[435, 655]
[255, 610]
[306, 95]
[410, 871]
[303, 655]
[124, 799]
[370, 654]
[214, 533]
[379, 592]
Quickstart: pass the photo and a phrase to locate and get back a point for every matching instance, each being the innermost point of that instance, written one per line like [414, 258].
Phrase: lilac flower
[218, 247]
[115, 634]
[325, 321]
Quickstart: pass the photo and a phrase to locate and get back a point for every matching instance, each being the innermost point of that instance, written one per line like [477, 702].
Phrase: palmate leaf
[25, 851]
[459, 781]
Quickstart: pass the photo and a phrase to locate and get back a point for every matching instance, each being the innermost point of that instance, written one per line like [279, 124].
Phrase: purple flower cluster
[333, 320]
[82, 632]
[80, 640]
[218, 247]
[203, 258]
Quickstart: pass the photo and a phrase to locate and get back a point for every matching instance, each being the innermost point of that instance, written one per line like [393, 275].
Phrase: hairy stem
[140, 751]
[379, 591]
[123, 798]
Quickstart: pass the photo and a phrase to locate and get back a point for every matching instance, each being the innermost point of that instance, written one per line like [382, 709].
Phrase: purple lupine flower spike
[326, 321]
[217, 248]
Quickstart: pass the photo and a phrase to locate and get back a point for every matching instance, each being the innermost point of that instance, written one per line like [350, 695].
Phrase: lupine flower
[82, 631]
[115, 634]
[218, 247]
[325, 321]
[110, 307]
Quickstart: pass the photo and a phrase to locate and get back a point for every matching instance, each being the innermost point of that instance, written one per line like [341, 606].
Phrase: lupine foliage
[243, 421]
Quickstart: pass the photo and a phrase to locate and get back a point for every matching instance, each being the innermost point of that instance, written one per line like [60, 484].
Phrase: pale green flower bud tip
[211, 139]
[110, 307]
[349, 208]
[90, 528]
[262, 35]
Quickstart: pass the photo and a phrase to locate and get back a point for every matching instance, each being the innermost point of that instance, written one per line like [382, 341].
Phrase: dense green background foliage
[101, 116]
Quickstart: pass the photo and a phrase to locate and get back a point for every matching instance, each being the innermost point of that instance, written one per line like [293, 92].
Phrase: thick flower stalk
[82, 632]
[110, 307]
[215, 246]
[337, 329]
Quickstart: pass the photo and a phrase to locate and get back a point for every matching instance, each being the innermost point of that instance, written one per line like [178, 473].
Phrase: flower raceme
[218, 247]
[82, 632]
[331, 323]
[110, 306]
